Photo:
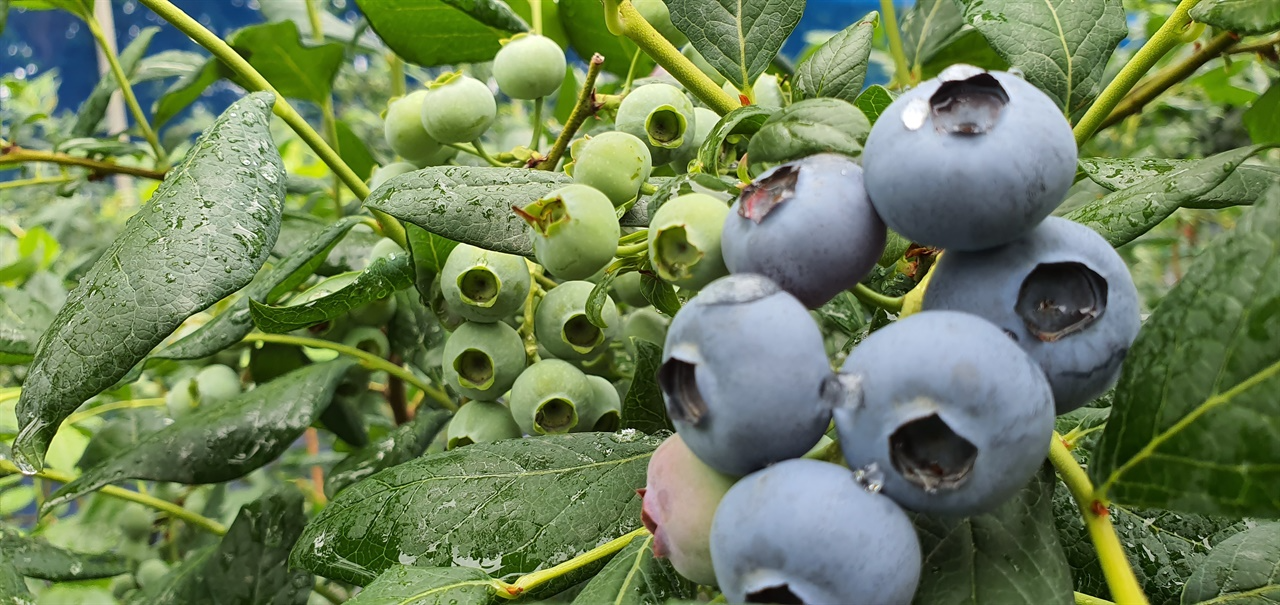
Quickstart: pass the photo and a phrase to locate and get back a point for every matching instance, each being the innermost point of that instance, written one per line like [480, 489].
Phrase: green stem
[623, 13]
[631, 71]
[530, 304]
[1260, 46]
[585, 106]
[876, 299]
[1164, 79]
[367, 359]
[632, 249]
[144, 124]
[18, 155]
[329, 593]
[43, 180]
[313, 16]
[472, 150]
[328, 118]
[902, 71]
[528, 582]
[535, 10]
[173, 510]
[537, 123]
[391, 227]
[395, 67]
[1168, 36]
[1097, 520]
[1084, 599]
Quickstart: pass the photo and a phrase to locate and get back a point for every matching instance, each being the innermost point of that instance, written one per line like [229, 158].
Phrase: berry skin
[958, 435]
[368, 339]
[575, 231]
[481, 422]
[383, 174]
[561, 323]
[684, 240]
[1064, 295]
[529, 67]
[645, 323]
[969, 160]
[483, 286]
[659, 16]
[615, 163]
[404, 131]
[679, 503]
[546, 397]
[385, 249]
[807, 225]
[661, 116]
[150, 572]
[602, 412]
[804, 531]
[217, 383]
[705, 121]
[745, 375]
[459, 109]
[767, 90]
[482, 360]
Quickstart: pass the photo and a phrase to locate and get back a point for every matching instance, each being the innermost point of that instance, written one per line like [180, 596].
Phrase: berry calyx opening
[544, 215]
[969, 106]
[475, 369]
[555, 415]
[928, 453]
[674, 254]
[1060, 299]
[665, 127]
[762, 196]
[479, 287]
[679, 382]
[780, 595]
[581, 334]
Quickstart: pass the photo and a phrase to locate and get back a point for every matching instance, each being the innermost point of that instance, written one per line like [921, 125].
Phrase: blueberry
[480, 422]
[458, 109]
[482, 360]
[659, 16]
[383, 174]
[529, 66]
[151, 572]
[745, 376]
[705, 121]
[615, 163]
[645, 324]
[385, 249]
[404, 132]
[626, 289]
[804, 531]
[1062, 292]
[684, 240]
[561, 325]
[135, 523]
[546, 396]
[808, 226]
[679, 503]
[482, 285]
[661, 115]
[957, 434]
[375, 313]
[602, 412]
[575, 230]
[969, 160]
[368, 339]
[217, 383]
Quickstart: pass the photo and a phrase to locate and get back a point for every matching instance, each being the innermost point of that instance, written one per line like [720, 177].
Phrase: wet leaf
[839, 66]
[35, 558]
[1244, 568]
[739, 38]
[644, 409]
[405, 443]
[1243, 187]
[379, 280]
[401, 584]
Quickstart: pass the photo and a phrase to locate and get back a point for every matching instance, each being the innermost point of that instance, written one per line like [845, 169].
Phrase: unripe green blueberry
[181, 398]
[546, 396]
[150, 572]
[626, 288]
[659, 16]
[767, 90]
[703, 65]
[575, 230]
[135, 523]
[481, 422]
[616, 163]
[482, 285]
[603, 411]
[122, 585]
[404, 130]
[705, 121]
[383, 174]
[660, 115]
[386, 248]
[482, 360]
[684, 240]
[368, 339]
[529, 67]
[217, 383]
[561, 323]
[645, 323]
[458, 109]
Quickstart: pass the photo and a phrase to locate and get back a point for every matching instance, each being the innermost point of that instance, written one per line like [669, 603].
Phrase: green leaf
[599, 297]
[120, 433]
[508, 507]
[1010, 555]
[1062, 46]
[13, 588]
[296, 71]
[873, 101]
[660, 294]
[467, 204]
[184, 92]
[1243, 187]
[1244, 568]
[167, 64]
[838, 67]
[381, 279]
[23, 319]
[743, 121]
[635, 576]
[406, 442]
[1240, 16]
[427, 252]
[91, 111]
[739, 38]
[353, 151]
[723, 188]
[220, 442]
[4, 17]
[332, 26]
[1262, 119]
[928, 27]
[969, 47]
[1125, 214]
[809, 127]
[35, 558]
[402, 585]
[203, 235]
[1204, 366]
[440, 32]
[644, 409]
[583, 23]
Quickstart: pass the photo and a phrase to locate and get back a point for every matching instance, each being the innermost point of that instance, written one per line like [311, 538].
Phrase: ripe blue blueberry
[661, 115]
[958, 434]
[805, 531]
[969, 160]
[575, 230]
[561, 325]
[1062, 292]
[808, 226]
[529, 67]
[483, 285]
[482, 360]
[745, 375]
[679, 503]
[684, 240]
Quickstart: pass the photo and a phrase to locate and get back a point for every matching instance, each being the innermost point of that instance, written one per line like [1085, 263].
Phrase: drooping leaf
[379, 280]
[643, 409]
[928, 27]
[23, 319]
[440, 32]
[405, 443]
[743, 121]
[427, 252]
[184, 92]
[1244, 568]
[467, 204]
[167, 64]
[873, 101]
[808, 127]
[1010, 555]
[1243, 187]
[1124, 215]
[1240, 16]
[401, 585]
[296, 71]
[1262, 120]
[220, 442]
[635, 577]
[583, 23]
[660, 294]
[739, 38]
[508, 507]
[203, 235]
[838, 67]
[1061, 46]
[1205, 366]
[36, 558]
[91, 111]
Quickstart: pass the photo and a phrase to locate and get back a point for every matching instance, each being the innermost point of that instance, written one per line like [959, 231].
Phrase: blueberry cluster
[948, 411]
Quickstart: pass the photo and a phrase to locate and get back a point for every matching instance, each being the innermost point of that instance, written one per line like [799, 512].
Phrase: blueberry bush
[583, 301]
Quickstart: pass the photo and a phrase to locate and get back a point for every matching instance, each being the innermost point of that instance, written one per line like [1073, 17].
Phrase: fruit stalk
[126, 90]
[1097, 519]
[1167, 77]
[902, 72]
[17, 155]
[634, 26]
[530, 581]
[876, 299]
[583, 108]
